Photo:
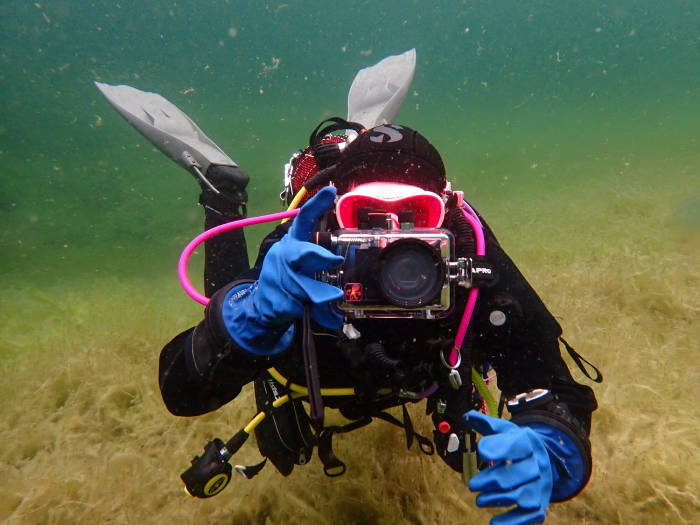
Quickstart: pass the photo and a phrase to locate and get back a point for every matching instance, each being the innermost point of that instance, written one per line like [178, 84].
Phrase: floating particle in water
[466, 29]
[598, 29]
[274, 64]
[232, 32]
[366, 52]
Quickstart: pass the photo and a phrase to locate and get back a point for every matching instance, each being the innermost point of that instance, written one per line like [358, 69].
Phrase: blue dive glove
[528, 463]
[260, 317]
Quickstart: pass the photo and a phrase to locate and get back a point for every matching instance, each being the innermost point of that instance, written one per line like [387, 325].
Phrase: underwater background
[571, 126]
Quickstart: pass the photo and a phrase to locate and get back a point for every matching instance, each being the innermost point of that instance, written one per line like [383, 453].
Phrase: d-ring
[456, 365]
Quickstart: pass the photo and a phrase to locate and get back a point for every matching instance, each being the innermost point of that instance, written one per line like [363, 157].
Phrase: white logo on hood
[386, 134]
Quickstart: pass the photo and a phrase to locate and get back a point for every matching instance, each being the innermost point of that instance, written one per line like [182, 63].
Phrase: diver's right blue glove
[260, 317]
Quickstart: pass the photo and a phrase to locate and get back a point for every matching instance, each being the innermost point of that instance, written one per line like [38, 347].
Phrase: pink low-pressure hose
[187, 252]
[241, 223]
[474, 292]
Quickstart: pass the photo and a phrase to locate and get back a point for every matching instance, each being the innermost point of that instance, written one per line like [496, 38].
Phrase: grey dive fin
[168, 128]
[377, 92]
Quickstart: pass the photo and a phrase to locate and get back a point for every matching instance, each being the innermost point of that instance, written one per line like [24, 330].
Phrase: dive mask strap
[337, 124]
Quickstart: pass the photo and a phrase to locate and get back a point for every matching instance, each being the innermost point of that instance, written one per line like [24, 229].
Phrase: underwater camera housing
[401, 273]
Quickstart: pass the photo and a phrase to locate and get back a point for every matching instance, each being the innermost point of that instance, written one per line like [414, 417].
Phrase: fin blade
[165, 125]
[377, 93]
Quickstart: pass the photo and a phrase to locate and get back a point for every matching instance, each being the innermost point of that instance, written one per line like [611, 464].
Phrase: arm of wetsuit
[522, 341]
[520, 338]
[197, 374]
[249, 324]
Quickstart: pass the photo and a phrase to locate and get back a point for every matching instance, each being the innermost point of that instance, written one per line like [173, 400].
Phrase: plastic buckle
[455, 379]
[526, 398]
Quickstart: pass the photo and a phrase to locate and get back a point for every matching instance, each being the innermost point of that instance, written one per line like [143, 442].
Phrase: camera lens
[411, 273]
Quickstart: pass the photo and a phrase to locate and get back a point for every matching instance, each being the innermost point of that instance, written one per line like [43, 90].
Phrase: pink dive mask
[390, 197]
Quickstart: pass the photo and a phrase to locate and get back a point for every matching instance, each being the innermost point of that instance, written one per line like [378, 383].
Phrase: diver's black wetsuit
[202, 368]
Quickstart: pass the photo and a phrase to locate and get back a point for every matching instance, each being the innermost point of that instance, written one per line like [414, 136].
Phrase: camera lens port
[411, 273]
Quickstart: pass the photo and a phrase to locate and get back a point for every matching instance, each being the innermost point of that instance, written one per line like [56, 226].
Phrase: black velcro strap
[579, 360]
[426, 446]
[313, 380]
[332, 466]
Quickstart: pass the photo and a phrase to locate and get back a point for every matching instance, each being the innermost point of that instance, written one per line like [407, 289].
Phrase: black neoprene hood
[391, 153]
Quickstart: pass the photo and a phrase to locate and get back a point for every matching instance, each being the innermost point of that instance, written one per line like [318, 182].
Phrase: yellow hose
[303, 391]
[254, 422]
[491, 407]
[260, 416]
[295, 201]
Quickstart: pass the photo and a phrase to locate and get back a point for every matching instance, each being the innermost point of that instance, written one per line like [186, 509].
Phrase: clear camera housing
[406, 273]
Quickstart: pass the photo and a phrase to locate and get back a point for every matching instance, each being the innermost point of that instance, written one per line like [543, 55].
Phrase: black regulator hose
[377, 355]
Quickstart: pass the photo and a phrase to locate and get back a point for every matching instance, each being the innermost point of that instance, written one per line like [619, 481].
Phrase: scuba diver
[382, 287]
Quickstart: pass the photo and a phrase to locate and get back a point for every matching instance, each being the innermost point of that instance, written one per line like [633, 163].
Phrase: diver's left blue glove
[529, 462]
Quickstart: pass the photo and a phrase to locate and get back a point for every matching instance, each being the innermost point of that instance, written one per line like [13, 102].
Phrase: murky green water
[572, 126]
[521, 90]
